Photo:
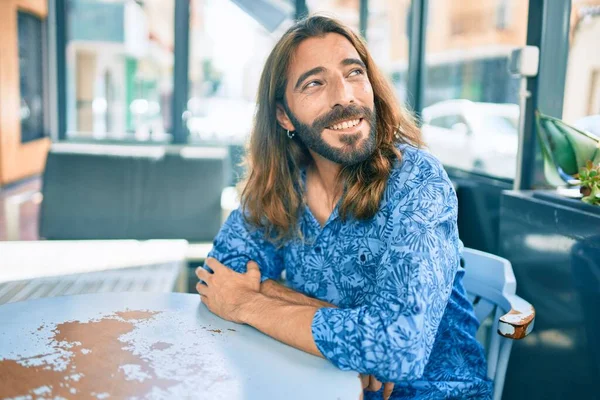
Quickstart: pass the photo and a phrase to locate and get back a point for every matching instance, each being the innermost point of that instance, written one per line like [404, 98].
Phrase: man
[339, 195]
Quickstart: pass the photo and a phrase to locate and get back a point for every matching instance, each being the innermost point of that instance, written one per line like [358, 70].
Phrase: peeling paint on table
[151, 346]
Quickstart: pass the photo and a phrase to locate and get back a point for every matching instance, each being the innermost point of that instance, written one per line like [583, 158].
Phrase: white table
[152, 345]
[51, 268]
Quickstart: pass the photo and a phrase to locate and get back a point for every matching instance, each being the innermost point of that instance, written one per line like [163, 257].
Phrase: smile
[345, 125]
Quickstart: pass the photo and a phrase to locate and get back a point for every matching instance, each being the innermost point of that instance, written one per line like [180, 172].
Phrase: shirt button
[318, 249]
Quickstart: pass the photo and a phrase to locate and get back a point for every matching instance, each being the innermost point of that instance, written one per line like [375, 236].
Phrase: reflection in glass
[388, 40]
[226, 64]
[468, 84]
[119, 69]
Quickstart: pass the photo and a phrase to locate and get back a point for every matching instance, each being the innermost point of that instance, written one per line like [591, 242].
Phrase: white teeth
[345, 124]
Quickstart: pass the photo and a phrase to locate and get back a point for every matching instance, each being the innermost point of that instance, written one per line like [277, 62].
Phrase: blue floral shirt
[403, 314]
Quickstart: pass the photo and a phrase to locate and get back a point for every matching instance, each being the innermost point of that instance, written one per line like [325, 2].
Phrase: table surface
[152, 345]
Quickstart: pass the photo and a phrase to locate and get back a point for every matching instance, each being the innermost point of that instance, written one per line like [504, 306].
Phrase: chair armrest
[230, 200]
[518, 322]
[12, 211]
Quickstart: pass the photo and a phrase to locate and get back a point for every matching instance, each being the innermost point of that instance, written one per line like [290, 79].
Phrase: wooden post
[17, 160]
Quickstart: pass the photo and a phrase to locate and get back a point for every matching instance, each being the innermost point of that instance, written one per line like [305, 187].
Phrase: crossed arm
[274, 290]
[277, 311]
[286, 321]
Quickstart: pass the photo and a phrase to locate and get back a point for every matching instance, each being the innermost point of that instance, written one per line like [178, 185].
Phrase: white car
[479, 137]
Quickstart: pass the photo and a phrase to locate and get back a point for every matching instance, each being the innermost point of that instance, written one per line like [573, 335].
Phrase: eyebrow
[318, 70]
[354, 61]
[304, 76]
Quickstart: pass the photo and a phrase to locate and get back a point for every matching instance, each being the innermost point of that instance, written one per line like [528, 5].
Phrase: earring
[290, 135]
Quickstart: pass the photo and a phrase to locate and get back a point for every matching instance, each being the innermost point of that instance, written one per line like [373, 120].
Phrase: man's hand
[370, 383]
[225, 291]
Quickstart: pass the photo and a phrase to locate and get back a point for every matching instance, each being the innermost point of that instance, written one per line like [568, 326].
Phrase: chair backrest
[488, 281]
[99, 191]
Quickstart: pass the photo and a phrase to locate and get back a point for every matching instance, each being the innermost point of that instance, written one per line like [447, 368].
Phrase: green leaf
[560, 147]
[584, 146]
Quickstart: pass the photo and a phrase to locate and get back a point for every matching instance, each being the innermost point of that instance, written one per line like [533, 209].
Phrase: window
[226, 64]
[119, 69]
[387, 27]
[31, 72]
[346, 11]
[467, 55]
[582, 87]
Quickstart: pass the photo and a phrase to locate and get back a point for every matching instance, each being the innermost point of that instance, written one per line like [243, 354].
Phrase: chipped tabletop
[151, 345]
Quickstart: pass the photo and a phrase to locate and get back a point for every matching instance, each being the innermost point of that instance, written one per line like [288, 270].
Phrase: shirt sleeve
[391, 337]
[237, 243]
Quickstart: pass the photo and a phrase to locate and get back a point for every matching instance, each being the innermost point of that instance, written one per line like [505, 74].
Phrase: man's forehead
[324, 51]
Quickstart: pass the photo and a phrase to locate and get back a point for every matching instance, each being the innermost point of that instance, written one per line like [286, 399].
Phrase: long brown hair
[272, 196]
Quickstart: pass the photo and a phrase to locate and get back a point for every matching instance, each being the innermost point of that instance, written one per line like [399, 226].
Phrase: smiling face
[329, 100]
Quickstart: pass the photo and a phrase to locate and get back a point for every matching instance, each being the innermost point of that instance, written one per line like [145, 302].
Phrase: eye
[359, 70]
[310, 84]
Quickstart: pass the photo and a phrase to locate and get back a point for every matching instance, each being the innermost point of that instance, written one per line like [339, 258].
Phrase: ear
[283, 118]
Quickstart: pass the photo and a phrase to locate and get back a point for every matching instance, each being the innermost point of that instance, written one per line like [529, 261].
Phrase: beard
[353, 151]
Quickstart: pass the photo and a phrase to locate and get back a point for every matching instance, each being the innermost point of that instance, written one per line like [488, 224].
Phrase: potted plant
[571, 156]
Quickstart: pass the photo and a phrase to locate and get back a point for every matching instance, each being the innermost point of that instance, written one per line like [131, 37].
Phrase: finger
[214, 264]
[201, 288]
[374, 384]
[203, 274]
[387, 390]
[252, 268]
[364, 380]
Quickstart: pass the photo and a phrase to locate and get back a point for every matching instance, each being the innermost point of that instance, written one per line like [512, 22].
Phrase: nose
[342, 93]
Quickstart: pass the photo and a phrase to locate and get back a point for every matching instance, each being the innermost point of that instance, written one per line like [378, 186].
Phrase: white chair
[490, 283]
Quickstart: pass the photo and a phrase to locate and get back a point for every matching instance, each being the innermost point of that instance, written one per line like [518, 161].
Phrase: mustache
[340, 113]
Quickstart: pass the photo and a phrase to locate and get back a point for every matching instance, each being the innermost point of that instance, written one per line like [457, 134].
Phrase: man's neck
[326, 172]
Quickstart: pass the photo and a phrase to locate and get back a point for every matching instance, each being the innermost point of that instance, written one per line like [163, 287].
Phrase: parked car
[479, 137]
